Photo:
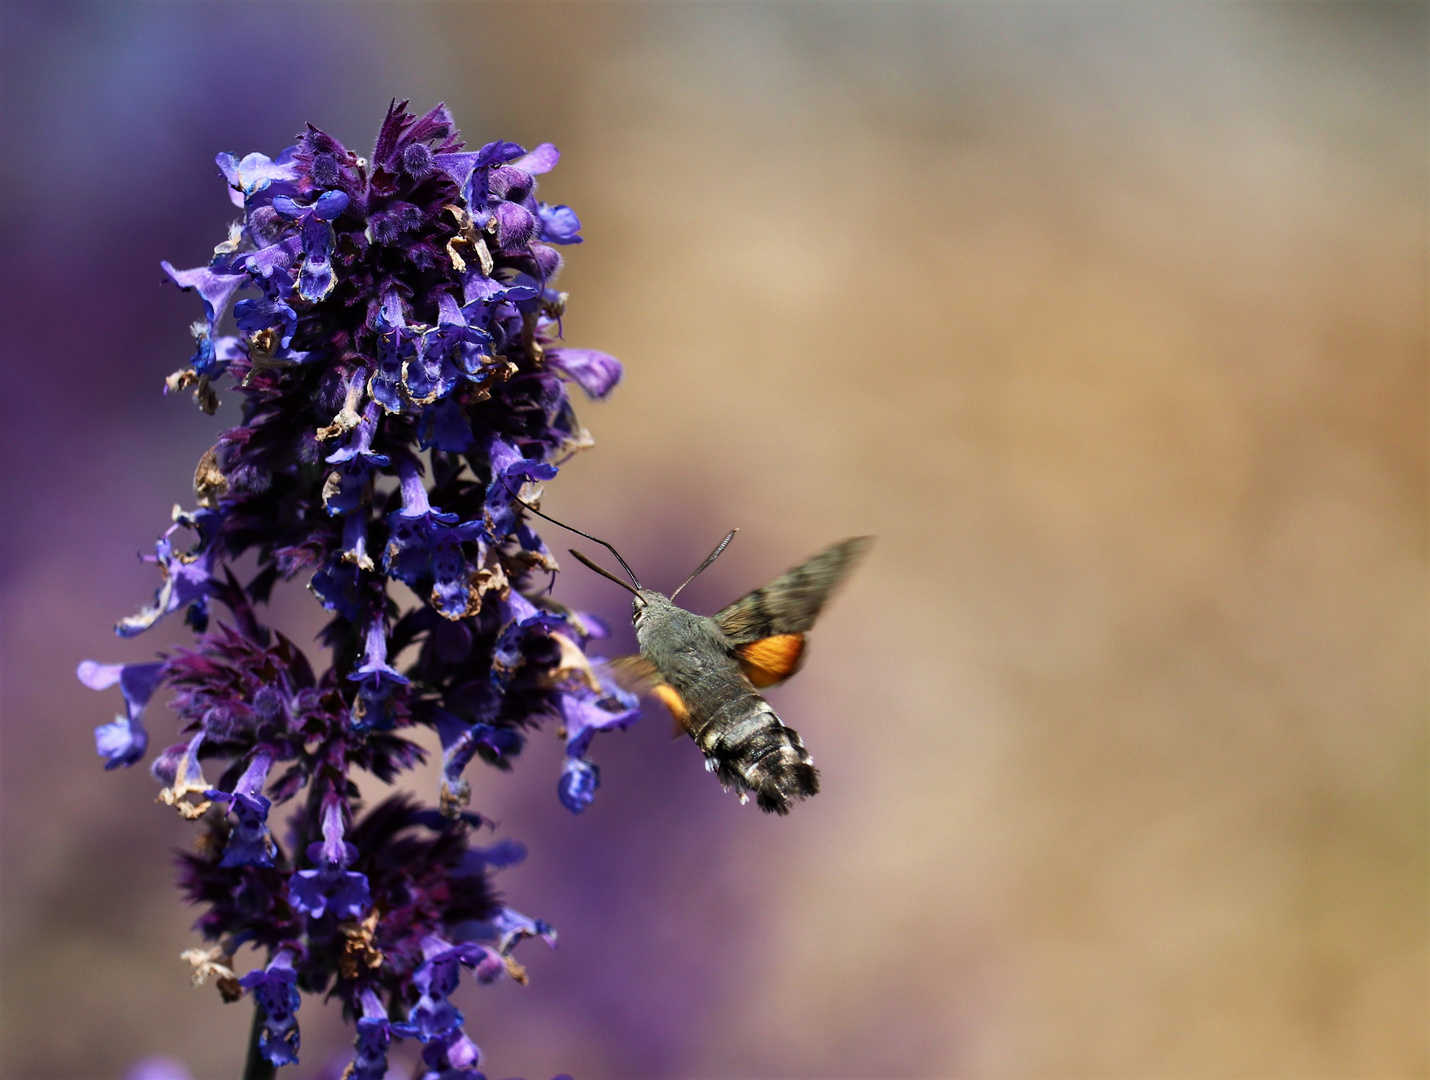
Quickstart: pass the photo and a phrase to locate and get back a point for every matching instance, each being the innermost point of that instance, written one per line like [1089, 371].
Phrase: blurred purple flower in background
[402, 391]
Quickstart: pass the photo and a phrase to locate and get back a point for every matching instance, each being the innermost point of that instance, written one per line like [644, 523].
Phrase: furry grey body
[742, 738]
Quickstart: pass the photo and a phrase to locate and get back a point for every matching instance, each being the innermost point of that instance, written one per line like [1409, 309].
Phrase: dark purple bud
[266, 225]
[223, 721]
[394, 221]
[417, 160]
[249, 479]
[375, 674]
[325, 171]
[331, 887]
[268, 703]
[515, 226]
[165, 767]
[310, 450]
[548, 260]
[510, 183]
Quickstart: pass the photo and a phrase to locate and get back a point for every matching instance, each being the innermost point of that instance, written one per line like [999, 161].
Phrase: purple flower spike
[331, 887]
[403, 385]
[274, 989]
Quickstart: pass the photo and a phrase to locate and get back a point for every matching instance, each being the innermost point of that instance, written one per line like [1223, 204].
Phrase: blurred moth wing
[767, 626]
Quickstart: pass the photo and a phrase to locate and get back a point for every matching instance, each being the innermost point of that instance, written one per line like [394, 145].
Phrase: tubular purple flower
[331, 887]
[374, 1035]
[182, 776]
[185, 582]
[249, 844]
[436, 978]
[508, 928]
[376, 675]
[587, 712]
[359, 444]
[216, 289]
[451, 1056]
[593, 371]
[256, 173]
[274, 989]
[121, 742]
[355, 541]
[125, 740]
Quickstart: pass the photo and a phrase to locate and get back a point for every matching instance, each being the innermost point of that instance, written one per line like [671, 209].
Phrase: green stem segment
[257, 1067]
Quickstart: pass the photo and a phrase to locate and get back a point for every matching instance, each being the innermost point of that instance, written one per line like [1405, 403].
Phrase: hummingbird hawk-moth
[709, 670]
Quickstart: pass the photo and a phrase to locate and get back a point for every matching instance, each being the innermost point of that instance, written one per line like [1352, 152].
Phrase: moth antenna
[601, 569]
[710, 559]
[578, 532]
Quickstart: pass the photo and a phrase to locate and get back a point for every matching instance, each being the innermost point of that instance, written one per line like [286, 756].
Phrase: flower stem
[257, 1067]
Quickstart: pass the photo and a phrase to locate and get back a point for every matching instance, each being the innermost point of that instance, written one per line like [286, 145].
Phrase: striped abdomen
[745, 744]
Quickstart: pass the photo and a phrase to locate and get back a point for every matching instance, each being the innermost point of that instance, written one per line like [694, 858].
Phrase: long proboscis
[601, 570]
[595, 539]
[721, 546]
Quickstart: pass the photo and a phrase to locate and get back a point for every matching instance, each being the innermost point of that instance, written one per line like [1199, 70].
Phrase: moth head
[638, 607]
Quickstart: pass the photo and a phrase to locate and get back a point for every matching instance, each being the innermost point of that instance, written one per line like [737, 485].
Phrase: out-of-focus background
[1110, 321]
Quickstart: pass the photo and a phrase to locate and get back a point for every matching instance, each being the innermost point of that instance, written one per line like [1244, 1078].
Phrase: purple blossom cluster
[403, 390]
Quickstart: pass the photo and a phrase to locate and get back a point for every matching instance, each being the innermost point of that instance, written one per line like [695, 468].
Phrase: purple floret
[276, 993]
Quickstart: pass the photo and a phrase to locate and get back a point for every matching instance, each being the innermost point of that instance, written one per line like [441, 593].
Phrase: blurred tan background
[1109, 320]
